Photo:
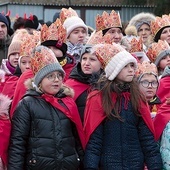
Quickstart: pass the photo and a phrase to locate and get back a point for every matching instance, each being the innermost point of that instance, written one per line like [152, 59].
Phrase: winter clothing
[14, 47]
[134, 135]
[162, 125]
[56, 145]
[4, 44]
[32, 22]
[74, 50]
[7, 67]
[161, 55]
[48, 43]
[140, 19]
[114, 59]
[48, 64]
[4, 20]
[70, 64]
[5, 129]
[81, 84]
[20, 90]
[72, 23]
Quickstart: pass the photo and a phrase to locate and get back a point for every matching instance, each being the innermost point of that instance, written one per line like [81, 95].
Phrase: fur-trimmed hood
[140, 19]
[65, 90]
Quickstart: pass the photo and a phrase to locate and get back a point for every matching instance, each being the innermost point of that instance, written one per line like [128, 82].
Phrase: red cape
[163, 89]
[9, 86]
[77, 86]
[20, 90]
[68, 67]
[161, 119]
[2, 84]
[71, 112]
[94, 113]
[5, 129]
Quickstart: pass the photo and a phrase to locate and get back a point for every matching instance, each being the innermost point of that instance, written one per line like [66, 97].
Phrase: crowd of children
[70, 100]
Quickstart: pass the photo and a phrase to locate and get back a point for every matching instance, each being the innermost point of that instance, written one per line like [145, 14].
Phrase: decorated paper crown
[98, 38]
[159, 23]
[55, 31]
[136, 45]
[66, 13]
[30, 42]
[42, 58]
[105, 52]
[108, 20]
[20, 34]
[156, 49]
[146, 67]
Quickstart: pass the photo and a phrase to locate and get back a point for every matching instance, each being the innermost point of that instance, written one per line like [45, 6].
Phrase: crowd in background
[74, 97]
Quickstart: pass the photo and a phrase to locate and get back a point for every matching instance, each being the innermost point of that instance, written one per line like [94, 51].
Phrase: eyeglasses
[52, 77]
[146, 84]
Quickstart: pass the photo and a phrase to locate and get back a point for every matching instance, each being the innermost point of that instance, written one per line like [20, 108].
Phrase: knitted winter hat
[74, 22]
[43, 62]
[140, 19]
[14, 47]
[4, 20]
[113, 58]
[32, 22]
[157, 51]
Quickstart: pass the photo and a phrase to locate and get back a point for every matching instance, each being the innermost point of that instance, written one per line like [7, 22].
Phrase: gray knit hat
[161, 55]
[43, 62]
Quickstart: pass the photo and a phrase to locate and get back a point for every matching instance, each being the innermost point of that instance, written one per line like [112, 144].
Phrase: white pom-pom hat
[113, 58]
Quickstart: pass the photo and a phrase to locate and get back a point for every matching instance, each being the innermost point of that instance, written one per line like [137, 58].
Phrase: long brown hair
[107, 87]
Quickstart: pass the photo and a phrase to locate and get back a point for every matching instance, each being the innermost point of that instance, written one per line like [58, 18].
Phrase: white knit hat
[113, 58]
[117, 63]
[74, 22]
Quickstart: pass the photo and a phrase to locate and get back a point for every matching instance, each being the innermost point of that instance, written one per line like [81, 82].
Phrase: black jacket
[42, 137]
[90, 79]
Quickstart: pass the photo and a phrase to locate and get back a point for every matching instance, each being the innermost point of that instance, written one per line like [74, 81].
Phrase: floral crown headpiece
[159, 23]
[66, 13]
[107, 20]
[136, 45]
[146, 67]
[105, 52]
[55, 31]
[29, 43]
[156, 48]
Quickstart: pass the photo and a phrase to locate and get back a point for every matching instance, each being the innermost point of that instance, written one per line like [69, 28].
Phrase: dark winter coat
[4, 44]
[122, 145]
[80, 78]
[43, 138]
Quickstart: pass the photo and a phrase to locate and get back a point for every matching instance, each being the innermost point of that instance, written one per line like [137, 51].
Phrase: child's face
[25, 63]
[148, 86]
[77, 36]
[165, 35]
[13, 59]
[51, 83]
[115, 34]
[165, 61]
[90, 63]
[127, 73]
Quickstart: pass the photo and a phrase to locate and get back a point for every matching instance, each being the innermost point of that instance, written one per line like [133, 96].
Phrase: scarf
[70, 111]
